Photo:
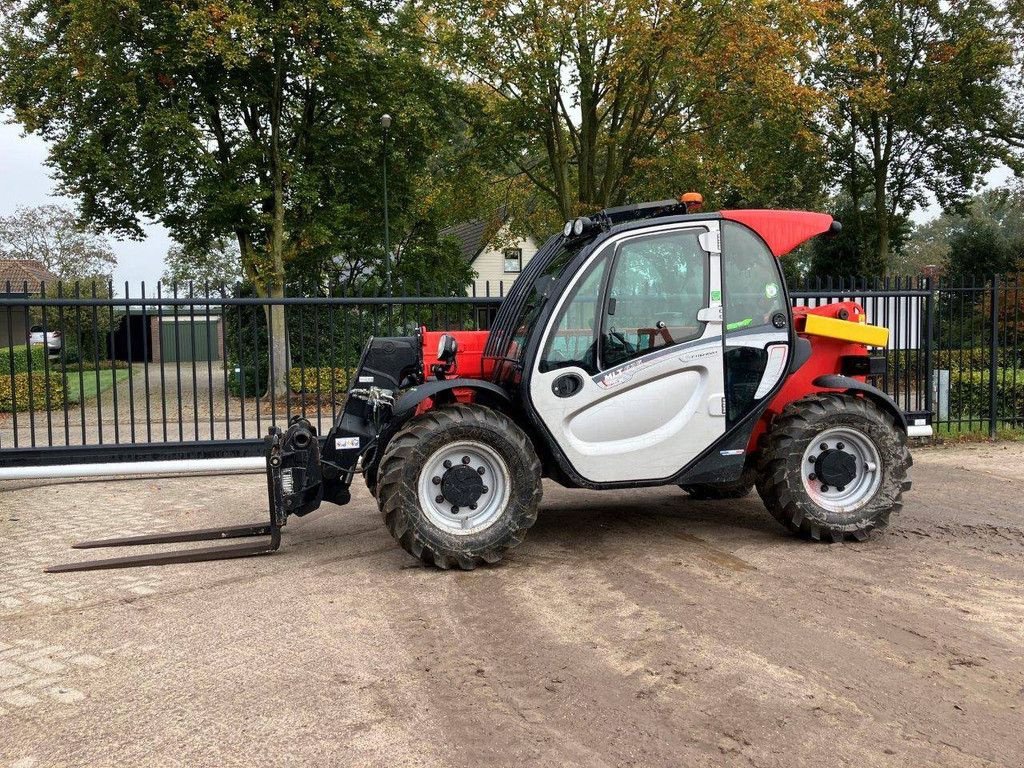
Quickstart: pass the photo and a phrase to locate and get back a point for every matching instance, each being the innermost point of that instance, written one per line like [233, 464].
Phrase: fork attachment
[294, 486]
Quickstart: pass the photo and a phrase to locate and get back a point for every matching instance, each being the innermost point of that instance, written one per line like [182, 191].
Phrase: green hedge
[101, 365]
[20, 398]
[306, 380]
[21, 359]
[968, 358]
[299, 380]
[969, 394]
[255, 381]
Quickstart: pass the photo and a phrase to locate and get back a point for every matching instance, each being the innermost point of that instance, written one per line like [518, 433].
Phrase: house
[19, 278]
[495, 254]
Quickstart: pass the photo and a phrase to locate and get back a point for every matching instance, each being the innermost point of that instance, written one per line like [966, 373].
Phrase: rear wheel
[834, 466]
[459, 486]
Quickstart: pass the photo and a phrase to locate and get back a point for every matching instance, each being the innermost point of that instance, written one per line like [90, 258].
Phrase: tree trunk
[278, 331]
[880, 261]
[279, 363]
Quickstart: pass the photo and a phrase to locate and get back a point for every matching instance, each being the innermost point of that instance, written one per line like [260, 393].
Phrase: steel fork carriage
[291, 453]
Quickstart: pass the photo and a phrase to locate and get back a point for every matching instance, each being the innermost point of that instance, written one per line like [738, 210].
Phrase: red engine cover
[469, 362]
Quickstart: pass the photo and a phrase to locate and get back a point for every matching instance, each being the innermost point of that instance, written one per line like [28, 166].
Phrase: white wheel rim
[857, 492]
[466, 520]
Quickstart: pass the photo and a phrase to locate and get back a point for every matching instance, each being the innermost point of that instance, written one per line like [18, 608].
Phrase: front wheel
[834, 466]
[459, 486]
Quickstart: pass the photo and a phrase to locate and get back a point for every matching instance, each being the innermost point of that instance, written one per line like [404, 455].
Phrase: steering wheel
[615, 353]
[627, 347]
[662, 327]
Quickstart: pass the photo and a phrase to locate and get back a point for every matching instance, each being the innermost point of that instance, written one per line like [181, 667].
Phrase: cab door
[630, 377]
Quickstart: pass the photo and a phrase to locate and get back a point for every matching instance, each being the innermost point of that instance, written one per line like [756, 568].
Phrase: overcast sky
[25, 181]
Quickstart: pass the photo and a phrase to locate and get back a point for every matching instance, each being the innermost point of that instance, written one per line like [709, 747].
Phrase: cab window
[753, 284]
[754, 295]
[657, 287]
[572, 340]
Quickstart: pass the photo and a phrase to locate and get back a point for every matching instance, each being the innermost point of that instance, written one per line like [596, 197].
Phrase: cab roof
[782, 230]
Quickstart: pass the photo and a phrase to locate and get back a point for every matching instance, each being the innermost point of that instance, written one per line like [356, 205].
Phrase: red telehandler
[645, 345]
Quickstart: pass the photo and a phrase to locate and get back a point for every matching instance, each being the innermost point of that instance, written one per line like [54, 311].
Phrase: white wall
[490, 264]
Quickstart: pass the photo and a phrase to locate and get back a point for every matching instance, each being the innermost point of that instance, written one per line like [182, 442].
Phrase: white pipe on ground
[118, 468]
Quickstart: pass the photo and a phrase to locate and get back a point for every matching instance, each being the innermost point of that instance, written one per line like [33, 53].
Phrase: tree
[979, 249]
[216, 267]
[850, 253]
[600, 101]
[53, 235]
[918, 104]
[985, 238]
[256, 120]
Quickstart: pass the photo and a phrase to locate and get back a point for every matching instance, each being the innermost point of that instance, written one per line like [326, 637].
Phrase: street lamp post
[385, 123]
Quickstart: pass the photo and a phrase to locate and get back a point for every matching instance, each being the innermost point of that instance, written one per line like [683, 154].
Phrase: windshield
[517, 318]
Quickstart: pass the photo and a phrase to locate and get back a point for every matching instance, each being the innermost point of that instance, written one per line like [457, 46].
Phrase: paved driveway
[631, 628]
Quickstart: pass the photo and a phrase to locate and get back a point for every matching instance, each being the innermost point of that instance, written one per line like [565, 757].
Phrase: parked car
[37, 334]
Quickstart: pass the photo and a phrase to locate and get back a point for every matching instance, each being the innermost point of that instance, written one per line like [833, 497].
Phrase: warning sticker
[345, 443]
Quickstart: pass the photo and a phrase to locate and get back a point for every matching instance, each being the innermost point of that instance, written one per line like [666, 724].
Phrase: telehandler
[645, 345]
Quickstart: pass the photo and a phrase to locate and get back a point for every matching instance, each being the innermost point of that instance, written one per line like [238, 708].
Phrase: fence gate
[195, 385]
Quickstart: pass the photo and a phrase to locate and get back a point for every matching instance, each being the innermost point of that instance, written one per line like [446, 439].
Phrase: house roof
[24, 275]
[474, 235]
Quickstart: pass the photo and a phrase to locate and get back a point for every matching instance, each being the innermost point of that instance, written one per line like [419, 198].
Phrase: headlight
[447, 346]
[577, 227]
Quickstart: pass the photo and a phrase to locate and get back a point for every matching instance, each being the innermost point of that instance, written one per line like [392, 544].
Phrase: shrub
[253, 379]
[21, 358]
[104, 365]
[313, 380]
[40, 386]
[968, 358]
[969, 394]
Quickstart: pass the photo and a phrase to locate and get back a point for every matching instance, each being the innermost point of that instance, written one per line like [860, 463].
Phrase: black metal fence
[87, 376]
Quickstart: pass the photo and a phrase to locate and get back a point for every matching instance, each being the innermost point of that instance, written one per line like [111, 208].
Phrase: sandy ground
[636, 628]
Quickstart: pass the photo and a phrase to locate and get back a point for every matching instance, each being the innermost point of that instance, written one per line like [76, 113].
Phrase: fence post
[993, 351]
[929, 344]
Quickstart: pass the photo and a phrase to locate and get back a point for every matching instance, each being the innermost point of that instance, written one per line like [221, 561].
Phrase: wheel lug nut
[824, 446]
[472, 506]
[465, 459]
[840, 446]
[840, 488]
[455, 510]
[813, 459]
[447, 464]
[435, 480]
[484, 489]
[812, 477]
[479, 470]
[824, 488]
[439, 499]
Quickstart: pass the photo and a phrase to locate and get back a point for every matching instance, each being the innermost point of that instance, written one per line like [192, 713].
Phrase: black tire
[409, 451]
[781, 470]
[722, 491]
[370, 475]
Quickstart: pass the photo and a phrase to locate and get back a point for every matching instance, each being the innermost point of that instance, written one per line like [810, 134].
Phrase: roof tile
[22, 275]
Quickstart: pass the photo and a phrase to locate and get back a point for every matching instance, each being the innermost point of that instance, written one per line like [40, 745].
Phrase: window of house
[513, 259]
